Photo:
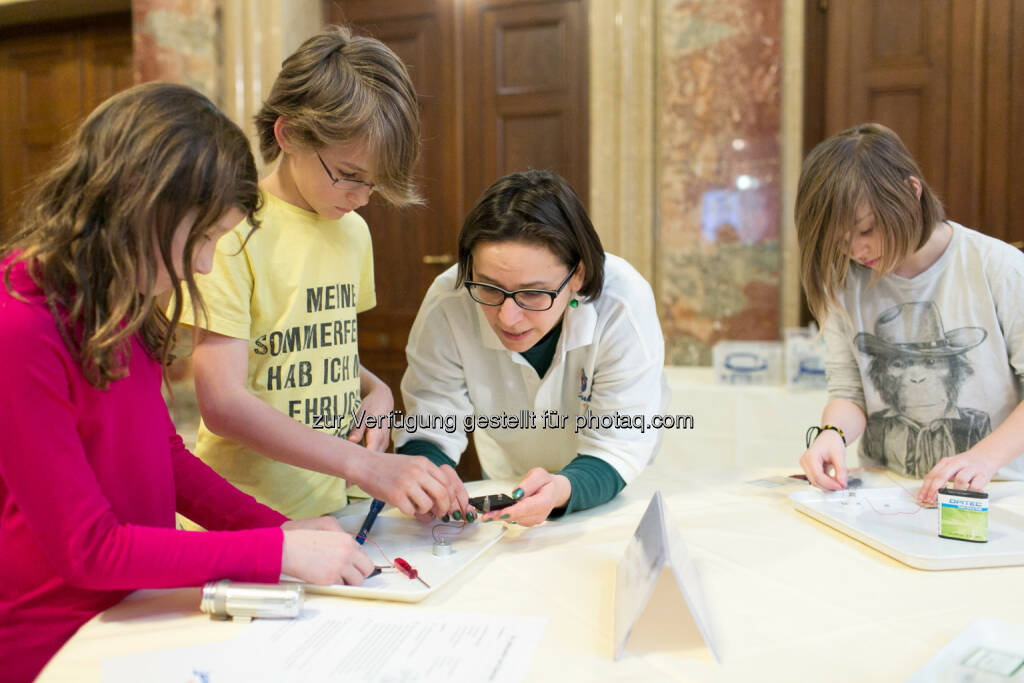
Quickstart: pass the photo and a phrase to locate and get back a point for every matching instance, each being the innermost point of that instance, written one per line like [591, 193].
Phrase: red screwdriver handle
[405, 568]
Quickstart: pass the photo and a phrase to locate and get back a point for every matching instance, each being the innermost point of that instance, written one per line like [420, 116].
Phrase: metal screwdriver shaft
[407, 569]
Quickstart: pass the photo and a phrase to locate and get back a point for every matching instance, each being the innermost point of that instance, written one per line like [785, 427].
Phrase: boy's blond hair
[866, 165]
[340, 88]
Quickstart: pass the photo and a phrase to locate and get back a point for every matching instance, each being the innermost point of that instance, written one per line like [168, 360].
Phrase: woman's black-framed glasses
[345, 183]
[528, 299]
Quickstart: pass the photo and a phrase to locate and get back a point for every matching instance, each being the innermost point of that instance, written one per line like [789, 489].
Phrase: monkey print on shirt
[918, 369]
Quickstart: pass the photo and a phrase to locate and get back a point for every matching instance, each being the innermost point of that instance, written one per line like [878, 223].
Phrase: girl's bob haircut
[340, 88]
[864, 166]
[535, 207]
[99, 226]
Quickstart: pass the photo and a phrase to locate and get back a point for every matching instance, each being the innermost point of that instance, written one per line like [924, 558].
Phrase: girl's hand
[824, 462]
[969, 470]
[379, 401]
[323, 556]
[541, 492]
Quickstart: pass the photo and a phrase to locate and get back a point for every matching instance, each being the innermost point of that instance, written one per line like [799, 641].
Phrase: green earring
[573, 303]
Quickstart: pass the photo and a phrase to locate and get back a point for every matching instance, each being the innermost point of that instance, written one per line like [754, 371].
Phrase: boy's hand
[379, 401]
[411, 483]
[827, 452]
[460, 501]
[968, 470]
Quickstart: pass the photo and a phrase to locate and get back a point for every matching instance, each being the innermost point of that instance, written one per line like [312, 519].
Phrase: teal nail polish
[445, 518]
[506, 516]
[489, 519]
[470, 516]
[457, 515]
[517, 494]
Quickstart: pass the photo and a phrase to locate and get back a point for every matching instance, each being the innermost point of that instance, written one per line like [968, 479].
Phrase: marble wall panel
[718, 233]
[178, 41]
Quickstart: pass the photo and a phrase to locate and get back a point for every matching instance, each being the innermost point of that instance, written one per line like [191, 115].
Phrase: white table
[790, 598]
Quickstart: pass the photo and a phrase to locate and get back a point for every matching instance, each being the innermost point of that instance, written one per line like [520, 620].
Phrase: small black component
[495, 501]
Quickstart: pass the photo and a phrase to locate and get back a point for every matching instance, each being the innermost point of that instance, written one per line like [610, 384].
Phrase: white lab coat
[610, 358]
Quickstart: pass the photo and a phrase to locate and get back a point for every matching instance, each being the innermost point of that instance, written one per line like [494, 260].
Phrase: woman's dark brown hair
[99, 225]
[540, 208]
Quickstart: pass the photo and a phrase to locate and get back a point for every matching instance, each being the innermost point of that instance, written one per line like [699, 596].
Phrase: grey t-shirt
[935, 361]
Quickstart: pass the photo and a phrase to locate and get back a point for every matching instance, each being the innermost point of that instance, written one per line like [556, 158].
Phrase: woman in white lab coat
[544, 345]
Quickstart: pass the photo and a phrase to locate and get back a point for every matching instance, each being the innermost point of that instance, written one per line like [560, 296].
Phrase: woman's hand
[824, 462]
[318, 551]
[540, 493]
[968, 470]
[379, 402]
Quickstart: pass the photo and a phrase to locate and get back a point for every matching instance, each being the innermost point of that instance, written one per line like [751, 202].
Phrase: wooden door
[502, 87]
[947, 76]
[526, 91]
[51, 77]
[414, 245]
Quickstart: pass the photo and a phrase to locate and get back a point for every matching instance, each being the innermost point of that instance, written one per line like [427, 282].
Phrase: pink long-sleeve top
[89, 483]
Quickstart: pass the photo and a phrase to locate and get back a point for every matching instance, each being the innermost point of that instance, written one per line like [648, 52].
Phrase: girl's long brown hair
[866, 165]
[99, 225]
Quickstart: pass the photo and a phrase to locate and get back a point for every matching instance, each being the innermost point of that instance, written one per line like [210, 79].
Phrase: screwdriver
[406, 568]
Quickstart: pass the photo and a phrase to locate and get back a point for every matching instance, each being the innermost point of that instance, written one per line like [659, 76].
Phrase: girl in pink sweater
[91, 469]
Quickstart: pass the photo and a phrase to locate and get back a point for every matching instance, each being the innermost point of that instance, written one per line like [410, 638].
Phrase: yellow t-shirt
[293, 292]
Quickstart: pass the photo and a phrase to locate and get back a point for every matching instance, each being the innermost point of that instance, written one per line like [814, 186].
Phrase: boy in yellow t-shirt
[277, 369]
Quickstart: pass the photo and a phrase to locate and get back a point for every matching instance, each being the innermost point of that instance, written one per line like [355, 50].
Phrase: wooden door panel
[947, 75]
[897, 74]
[529, 53]
[40, 90]
[545, 132]
[51, 77]
[107, 66]
[502, 87]
[1015, 148]
[420, 34]
[530, 91]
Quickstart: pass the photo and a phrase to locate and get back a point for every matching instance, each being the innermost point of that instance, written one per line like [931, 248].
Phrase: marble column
[719, 173]
[178, 40]
[622, 123]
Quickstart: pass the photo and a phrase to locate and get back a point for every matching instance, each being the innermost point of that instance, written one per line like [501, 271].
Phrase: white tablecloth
[790, 598]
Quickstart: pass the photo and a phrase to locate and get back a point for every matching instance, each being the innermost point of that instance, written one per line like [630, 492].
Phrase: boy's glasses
[529, 299]
[344, 183]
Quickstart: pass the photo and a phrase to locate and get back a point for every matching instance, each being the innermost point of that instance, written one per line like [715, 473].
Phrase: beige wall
[257, 36]
[792, 145]
[623, 103]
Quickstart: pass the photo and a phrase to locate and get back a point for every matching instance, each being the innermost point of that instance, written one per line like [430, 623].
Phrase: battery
[226, 599]
[963, 515]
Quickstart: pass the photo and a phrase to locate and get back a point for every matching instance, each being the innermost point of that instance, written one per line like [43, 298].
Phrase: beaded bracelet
[815, 431]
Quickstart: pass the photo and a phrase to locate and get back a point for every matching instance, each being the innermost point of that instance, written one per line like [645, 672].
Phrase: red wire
[905, 489]
[436, 535]
[390, 563]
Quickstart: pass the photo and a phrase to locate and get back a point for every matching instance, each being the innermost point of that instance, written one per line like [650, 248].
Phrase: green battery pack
[963, 515]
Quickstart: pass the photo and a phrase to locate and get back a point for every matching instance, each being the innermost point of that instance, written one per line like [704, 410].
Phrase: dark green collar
[540, 355]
